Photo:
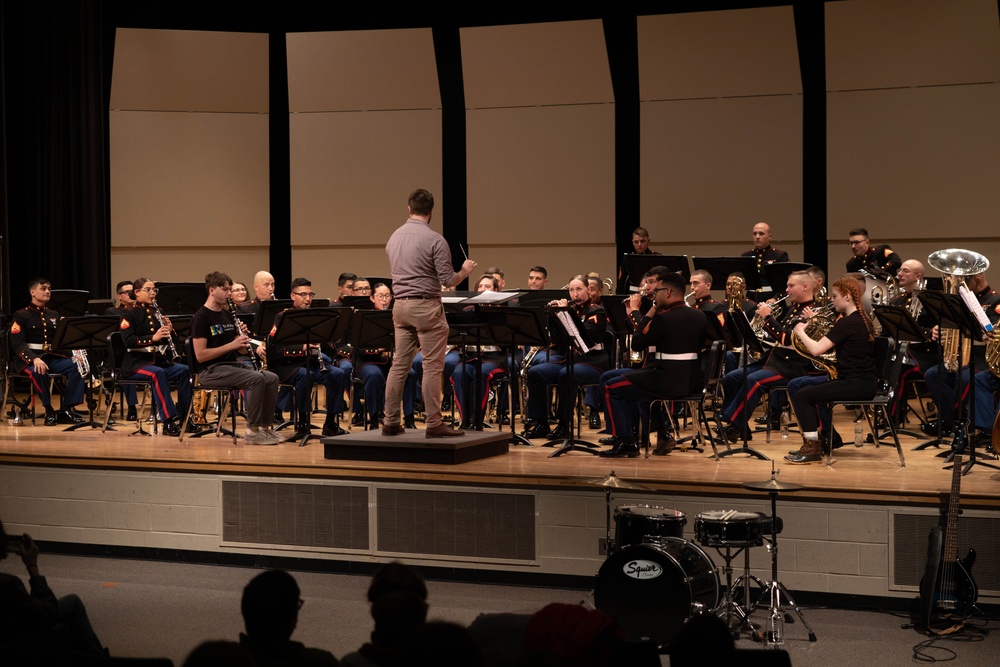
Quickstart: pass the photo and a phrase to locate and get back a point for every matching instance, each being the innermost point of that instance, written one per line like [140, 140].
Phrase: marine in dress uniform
[31, 333]
[149, 357]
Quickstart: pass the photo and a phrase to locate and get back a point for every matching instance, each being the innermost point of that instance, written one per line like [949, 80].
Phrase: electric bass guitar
[947, 586]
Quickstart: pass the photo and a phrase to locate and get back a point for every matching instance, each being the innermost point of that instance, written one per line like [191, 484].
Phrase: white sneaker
[273, 435]
[257, 438]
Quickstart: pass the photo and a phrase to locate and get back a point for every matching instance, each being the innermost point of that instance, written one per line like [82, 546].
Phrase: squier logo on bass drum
[642, 569]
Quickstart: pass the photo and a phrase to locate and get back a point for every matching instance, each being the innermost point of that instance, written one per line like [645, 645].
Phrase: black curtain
[55, 78]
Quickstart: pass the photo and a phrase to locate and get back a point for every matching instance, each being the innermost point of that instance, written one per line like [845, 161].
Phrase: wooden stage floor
[867, 475]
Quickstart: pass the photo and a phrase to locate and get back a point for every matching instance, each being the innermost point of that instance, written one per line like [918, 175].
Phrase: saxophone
[818, 326]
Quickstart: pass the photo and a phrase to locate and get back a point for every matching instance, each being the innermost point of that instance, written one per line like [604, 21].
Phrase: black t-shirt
[217, 328]
[854, 350]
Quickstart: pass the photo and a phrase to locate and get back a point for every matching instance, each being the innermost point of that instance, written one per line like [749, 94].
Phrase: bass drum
[652, 589]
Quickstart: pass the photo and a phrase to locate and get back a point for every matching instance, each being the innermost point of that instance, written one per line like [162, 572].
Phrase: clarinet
[174, 354]
[242, 328]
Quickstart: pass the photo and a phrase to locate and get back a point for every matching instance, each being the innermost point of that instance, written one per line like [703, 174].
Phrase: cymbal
[615, 482]
[772, 485]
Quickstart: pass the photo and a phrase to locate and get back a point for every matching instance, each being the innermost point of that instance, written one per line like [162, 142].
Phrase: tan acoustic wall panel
[893, 43]
[365, 131]
[351, 174]
[721, 124]
[913, 142]
[732, 53]
[539, 64]
[362, 71]
[189, 154]
[180, 264]
[711, 169]
[190, 70]
[541, 175]
[324, 264]
[540, 148]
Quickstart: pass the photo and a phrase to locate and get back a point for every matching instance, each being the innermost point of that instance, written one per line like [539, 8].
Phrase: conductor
[420, 263]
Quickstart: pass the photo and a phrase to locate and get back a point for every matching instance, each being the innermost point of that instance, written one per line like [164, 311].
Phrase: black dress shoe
[446, 403]
[537, 431]
[624, 449]
[610, 440]
[560, 432]
[595, 419]
[131, 415]
[50, 418]
[333, 429]
[67, 417]
[172, 427]
[358, 419]
[409, 422]
[931, 428]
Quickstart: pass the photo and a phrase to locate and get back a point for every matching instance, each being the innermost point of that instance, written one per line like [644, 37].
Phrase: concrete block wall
[824, 547]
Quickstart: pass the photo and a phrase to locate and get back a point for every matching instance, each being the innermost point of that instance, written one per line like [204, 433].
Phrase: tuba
[956, 264]
[818, 326]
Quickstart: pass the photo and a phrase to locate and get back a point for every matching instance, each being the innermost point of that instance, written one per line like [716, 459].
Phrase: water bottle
[859, 438]
[775, 634]
[784, 424]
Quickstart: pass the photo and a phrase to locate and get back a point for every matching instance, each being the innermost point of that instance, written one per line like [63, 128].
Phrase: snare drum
[633, 523]
[728, 528]
[652, 589]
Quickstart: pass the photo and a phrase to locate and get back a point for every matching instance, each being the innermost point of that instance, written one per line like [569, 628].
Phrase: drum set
[653, 580]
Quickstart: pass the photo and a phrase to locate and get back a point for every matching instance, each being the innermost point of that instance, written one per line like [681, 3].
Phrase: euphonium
[956, 264]
[916, 306]
[737, 294]
[818, 326]
[993, 352]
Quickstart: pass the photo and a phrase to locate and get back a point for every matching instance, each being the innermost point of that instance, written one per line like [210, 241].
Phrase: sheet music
[970, 301]
[569, 323]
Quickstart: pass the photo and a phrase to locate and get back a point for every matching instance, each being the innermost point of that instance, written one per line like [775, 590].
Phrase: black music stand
[180, 298]
[578, 337]
[358, 303]
[492, 319]
[465, 324]
[266, 312]
[620, 323]
[636, 266]
[898, 324]
[69, 302]
[85, 333]
[370, 329]
[748, 339]
[949, 311]
[722, 267]
[310, 326]
[540, 297]
[518, 327]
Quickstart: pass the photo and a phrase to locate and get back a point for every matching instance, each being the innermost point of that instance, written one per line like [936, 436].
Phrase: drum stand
[730, 606]
[779, 598]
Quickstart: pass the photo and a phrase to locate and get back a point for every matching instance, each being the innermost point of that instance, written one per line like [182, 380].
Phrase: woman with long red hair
[851, 337]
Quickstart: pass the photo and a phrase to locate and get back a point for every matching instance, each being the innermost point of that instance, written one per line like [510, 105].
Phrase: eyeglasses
[123, 292]
[383, 297]
[854, 243]
[304, 294]
[659, 289]
[151, 290]
[365, 290]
